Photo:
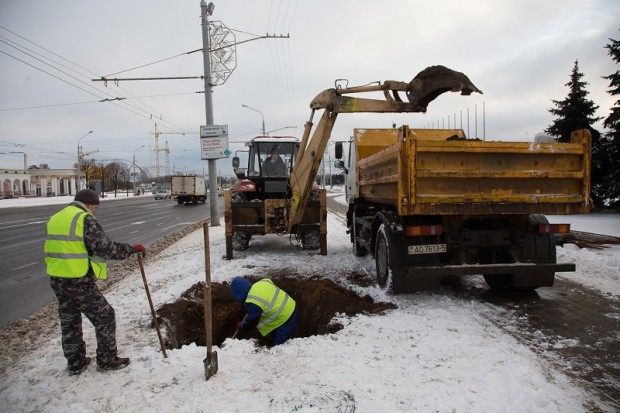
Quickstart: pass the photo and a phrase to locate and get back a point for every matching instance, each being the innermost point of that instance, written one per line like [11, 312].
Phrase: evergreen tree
[611, 184]
[575, 111]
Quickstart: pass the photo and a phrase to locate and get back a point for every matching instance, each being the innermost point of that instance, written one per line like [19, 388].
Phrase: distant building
[37, 182]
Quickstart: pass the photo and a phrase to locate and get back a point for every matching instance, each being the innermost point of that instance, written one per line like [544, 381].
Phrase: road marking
[24, 266]
[23, 225]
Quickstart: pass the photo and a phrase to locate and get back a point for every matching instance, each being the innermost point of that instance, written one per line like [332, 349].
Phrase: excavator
[259, 204]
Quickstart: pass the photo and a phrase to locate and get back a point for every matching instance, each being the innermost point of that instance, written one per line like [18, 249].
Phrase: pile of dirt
[318, 300]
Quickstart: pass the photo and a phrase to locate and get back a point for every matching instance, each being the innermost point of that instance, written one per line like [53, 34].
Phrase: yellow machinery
[431, 203]
[260, 204]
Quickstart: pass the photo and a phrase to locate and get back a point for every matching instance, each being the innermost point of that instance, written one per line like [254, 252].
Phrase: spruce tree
[610, 186]
[576, 111]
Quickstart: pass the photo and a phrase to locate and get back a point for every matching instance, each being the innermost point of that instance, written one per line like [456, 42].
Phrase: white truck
[188, 189]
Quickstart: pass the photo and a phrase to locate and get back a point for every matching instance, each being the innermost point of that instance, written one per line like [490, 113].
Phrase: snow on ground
[434, 353]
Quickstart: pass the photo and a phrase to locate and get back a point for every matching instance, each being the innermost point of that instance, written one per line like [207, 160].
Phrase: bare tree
[117, 173]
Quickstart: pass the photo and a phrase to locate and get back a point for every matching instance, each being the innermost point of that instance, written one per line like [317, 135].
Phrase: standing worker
[75, 252]
[268, 308]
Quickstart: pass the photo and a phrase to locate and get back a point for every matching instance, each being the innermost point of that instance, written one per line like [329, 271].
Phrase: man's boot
[79, 367]
[116, 363]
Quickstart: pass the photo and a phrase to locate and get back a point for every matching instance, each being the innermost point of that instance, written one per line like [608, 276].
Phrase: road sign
[213, 131]
[214, 141]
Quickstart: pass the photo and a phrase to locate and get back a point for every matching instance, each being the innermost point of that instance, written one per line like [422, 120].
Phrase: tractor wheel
[241, 240]
[310, 240]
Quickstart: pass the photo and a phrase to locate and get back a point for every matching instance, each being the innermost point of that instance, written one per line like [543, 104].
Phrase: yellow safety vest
[66, 255]
[277, 305]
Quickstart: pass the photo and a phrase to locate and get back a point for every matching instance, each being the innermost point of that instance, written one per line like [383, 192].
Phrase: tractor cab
[270, 161]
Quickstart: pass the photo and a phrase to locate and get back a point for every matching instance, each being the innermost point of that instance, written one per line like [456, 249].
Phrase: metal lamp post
[134, 169]
[261, 113]
[79, 161]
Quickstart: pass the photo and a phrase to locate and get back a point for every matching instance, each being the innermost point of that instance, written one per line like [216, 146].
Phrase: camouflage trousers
[77, 296]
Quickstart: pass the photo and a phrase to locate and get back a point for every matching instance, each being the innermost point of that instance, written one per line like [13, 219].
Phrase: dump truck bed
[431, 172]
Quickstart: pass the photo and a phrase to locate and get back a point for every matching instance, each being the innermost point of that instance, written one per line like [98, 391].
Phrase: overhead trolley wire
[110, 98]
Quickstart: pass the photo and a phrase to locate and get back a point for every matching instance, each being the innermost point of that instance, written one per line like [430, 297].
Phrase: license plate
[427, 249]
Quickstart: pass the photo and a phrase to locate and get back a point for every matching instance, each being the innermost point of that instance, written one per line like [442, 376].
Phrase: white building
[37, 182]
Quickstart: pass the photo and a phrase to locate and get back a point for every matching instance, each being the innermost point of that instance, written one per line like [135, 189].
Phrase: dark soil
[318, 300]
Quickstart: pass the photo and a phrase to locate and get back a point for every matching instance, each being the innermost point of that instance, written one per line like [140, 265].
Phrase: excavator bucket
[435, 80]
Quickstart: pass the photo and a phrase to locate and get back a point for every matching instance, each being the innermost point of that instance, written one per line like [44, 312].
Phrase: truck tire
[537, 248]
[358, 250]
[382, 259]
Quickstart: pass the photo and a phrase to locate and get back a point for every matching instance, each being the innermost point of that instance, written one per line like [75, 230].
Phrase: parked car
[162, 194]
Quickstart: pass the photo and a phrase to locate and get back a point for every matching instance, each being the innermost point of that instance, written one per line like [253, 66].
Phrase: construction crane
[166, 150]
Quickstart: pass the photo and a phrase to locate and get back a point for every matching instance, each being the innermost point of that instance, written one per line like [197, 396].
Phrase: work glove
[139, 248]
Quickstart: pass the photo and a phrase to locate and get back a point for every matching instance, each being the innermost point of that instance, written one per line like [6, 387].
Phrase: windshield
[271, 159]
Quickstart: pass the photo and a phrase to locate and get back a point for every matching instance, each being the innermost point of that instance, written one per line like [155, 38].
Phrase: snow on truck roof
[275, 139]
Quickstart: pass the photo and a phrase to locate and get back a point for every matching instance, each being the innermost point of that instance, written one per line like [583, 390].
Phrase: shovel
[148, 294]
[210, 361]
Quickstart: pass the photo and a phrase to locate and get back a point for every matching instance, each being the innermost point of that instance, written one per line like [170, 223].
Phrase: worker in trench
[268, 308]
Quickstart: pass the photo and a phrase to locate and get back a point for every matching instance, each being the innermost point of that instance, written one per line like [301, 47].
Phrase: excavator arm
[423, 89]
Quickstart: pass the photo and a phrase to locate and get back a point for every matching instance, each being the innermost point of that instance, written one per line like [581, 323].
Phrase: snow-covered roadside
[433, 353]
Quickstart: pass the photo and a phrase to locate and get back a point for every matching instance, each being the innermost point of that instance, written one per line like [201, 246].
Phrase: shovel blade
[210, 363]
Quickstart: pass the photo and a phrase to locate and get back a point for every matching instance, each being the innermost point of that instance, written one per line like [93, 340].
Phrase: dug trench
[318, 300]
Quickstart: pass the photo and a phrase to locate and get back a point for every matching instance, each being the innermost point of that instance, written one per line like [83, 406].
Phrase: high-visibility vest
[66, 255]
[277, 305]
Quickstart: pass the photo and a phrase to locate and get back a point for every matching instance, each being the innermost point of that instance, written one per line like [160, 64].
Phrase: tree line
[576, 111]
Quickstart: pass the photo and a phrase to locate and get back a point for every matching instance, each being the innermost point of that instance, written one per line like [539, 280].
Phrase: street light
[261, 113]
[79, 160]
[134, 169]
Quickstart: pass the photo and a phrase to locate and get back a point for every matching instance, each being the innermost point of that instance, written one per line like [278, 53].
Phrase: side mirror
[338, 150]
[235, 161]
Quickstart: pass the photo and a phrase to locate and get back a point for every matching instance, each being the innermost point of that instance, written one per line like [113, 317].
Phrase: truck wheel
[537, 248]
[358, 250]
[382, 259]
[241, 240]
[179, 201]
[310, 240]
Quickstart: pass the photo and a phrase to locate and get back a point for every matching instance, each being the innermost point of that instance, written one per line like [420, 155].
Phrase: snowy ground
[435, 353]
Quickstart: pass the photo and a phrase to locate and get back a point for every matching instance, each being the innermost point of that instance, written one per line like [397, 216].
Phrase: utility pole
[206, 11]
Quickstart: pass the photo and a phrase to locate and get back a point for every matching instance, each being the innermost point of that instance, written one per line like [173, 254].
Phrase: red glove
[239, 325]
[139, 248]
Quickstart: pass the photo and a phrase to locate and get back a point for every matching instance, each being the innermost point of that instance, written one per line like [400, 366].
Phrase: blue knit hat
[240, 287]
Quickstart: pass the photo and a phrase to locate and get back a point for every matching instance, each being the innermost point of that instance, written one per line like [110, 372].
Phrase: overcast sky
[519, 53]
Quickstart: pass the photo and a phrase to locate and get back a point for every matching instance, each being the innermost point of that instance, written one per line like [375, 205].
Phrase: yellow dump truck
[431, 203]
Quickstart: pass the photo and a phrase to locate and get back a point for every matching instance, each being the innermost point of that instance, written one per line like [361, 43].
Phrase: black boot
[116, 363]
[79, 367]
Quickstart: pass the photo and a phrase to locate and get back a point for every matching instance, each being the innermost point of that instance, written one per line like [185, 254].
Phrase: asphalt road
[24, 284]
